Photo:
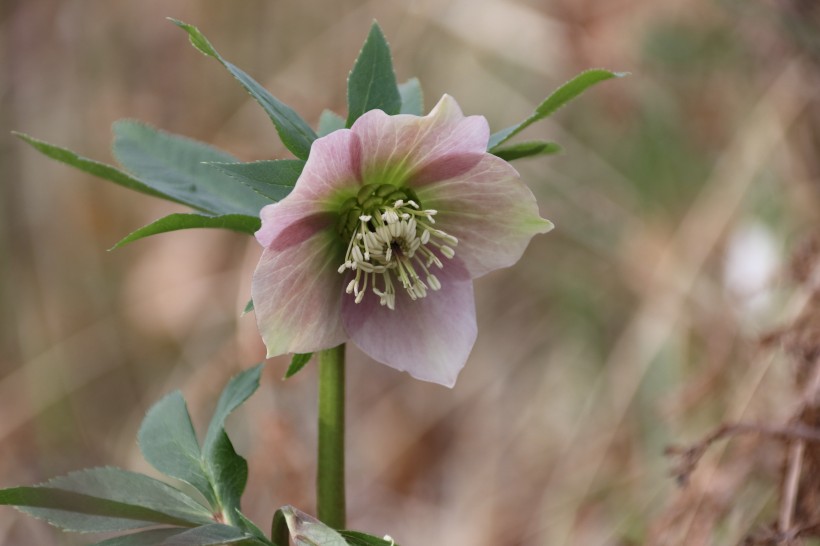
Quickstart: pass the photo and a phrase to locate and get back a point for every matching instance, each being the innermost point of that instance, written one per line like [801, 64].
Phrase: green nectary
[370, 201]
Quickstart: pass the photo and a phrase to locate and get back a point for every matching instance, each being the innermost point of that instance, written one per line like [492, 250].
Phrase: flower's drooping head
[381, 237]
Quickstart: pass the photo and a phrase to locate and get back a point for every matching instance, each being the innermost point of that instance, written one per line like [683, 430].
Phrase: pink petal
[429, 338]
[297, 289]
[489, 210]
[396, 148]
[333, 168]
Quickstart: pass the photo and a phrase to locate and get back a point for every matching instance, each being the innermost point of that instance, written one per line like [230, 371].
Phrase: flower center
[391, 241]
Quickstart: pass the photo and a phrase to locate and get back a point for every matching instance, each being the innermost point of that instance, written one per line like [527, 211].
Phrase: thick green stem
[330, 479]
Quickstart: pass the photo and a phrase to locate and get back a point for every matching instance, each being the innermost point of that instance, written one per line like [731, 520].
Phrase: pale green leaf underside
[330, 121]
[372, 82]
[356, 538]
[412, 97]
[296, 134]
[556, 100]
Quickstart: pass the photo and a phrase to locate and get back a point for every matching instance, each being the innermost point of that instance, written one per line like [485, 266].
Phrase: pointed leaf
[238, 389]
[168, 441]
[330, 121]
[412, 97]
[296, 134]
[101, 170]
[151, 537]
[279, 532]
[372, 82]
[297, 363]
[250, 527]
[526, 149]
[556, 100]
[106, 499]
[355, 538]
[174, 222]
[308, 531]
[174, 165]
[230, 475]
[248, 307]
[273, 180]
[208, 535]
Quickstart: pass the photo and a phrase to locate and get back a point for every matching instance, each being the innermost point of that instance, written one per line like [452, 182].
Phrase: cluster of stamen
[392, 242]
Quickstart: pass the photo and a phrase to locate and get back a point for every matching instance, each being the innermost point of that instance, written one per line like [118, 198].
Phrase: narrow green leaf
[273, 180]
[412, 97]
[556, 100]
[330, 121]
[208, 535]
[355, 538]
[168, 441]
[238, 389]
[151, 537]
[106, 172]
[297, 363]
[174, 165]
[308, 531]
[526, 149]
[174, 222]
[372, 84]
[248, 307]
[230, 475]
[296, 134]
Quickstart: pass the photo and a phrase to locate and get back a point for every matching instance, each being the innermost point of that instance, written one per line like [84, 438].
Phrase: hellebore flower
[382, 235]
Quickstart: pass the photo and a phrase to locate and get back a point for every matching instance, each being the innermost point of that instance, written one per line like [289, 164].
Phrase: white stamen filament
[397, 243]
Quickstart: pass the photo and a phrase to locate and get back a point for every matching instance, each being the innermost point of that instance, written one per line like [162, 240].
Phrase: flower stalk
[330, 478]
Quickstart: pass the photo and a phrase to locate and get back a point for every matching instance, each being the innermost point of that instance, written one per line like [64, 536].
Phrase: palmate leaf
[107, 499]
[296, 134]
[556, 100]
[372, 82]
[168, 441]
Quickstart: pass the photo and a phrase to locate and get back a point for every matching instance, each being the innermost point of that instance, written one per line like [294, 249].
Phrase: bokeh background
[681, 196]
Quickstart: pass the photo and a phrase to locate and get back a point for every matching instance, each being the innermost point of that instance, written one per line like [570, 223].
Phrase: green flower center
[391, 241]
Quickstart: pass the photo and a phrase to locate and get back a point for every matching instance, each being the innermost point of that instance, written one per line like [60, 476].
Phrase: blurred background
[675, 294]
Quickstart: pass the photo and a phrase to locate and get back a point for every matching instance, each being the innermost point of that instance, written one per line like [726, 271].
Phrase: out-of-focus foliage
[678, 197]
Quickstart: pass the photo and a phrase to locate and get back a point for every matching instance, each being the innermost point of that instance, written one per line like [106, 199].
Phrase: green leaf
[106, 499]
[297, 363]
[355, 538]
[279, 532]
[526, 149]
[556, 100]
[230, 475]
[372, 82]
[101, 170]
[412, 97]
[178, 221]
[168, 441]
[250, 527]
[296, 134]
[273, 180]
[152, 537]
[248, 307]
[208, 535]
[238, 389]
[308, 531]
[330, 121]
[174, 165]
